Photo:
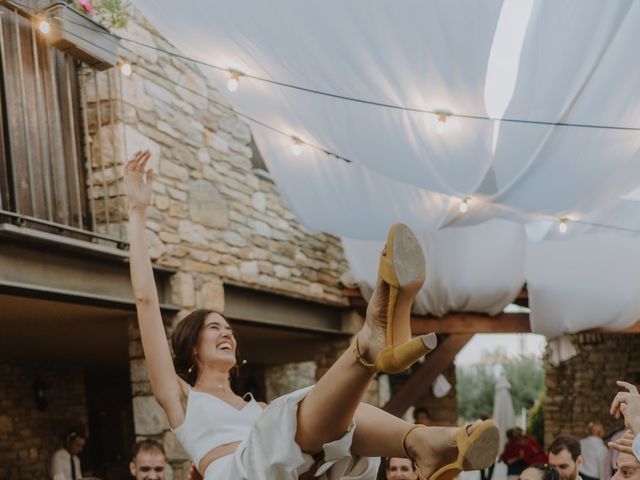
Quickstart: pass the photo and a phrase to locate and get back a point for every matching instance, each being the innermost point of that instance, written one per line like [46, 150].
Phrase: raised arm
[168, 388]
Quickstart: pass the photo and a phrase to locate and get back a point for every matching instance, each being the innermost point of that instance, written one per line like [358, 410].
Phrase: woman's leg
[329, 408]
[380, 434]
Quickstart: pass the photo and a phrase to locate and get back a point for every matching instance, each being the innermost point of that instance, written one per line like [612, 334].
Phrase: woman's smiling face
[216, 343]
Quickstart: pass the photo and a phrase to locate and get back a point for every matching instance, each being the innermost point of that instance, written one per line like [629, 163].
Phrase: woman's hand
[137, 182]
[627, 404]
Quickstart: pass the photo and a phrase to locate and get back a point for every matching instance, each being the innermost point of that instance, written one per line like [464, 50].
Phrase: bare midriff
[215, 454]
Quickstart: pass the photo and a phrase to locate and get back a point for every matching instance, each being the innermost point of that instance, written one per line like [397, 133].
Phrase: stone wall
[327, 355]
[213, 217]
[28, 436]
[289, 377]
[581, 389]
[150, 420]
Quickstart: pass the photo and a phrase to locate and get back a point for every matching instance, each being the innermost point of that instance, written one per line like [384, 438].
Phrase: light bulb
[126, 69]
[440, 123]
[563, 226]
[44, 26]
[232, 84]
[234, 80]
[296, 146]
[464, 205]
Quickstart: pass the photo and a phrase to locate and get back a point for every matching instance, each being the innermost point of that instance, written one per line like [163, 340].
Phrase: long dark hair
[185, 338]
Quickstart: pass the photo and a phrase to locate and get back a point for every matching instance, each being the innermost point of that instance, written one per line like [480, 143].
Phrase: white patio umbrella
[503, 412]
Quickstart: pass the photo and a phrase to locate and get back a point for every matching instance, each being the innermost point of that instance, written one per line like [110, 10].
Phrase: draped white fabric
[460, 56]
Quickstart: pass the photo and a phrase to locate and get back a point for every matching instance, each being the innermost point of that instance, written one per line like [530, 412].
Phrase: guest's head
[401, 469]
[421, 416]
[539, 471]
[628, 467]
[148, 460]
[596, 429]
[565, 455]
[74, 441]
[514, 434]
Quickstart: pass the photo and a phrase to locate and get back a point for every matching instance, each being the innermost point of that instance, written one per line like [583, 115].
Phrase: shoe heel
[399, 358]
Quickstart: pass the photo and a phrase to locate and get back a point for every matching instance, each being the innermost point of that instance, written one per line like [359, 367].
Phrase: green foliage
[111, 13]
[535, 424]
[476, 384]
[114, 13]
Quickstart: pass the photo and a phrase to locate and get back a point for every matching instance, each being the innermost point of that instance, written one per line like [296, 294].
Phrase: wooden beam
[472, 323]
[635, 328]
[420, 380]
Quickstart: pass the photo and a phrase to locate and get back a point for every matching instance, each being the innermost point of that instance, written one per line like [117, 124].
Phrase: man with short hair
[565, 455]
[593, 452]
[65, 463]
[148, 461]
[628, 467]
[401, 469]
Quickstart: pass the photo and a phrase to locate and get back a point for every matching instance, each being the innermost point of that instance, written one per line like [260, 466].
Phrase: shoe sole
[408, 259]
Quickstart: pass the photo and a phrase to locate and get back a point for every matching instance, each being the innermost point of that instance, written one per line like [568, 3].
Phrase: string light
[296, 146]
[563, 225]
[441, 118]
[126, 69]
[464, 205]
[234, 80]
[440, 123]
[347, 98]
[44, 26]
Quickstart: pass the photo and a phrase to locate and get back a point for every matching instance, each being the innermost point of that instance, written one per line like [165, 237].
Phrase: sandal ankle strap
[404, 441]
[360, 358]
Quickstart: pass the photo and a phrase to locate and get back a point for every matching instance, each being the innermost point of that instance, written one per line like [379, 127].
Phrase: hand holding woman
[628, 405]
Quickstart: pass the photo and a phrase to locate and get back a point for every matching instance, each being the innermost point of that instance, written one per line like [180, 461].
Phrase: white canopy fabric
[565, 61]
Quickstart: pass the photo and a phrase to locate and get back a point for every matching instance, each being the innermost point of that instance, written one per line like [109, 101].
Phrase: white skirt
[271, 453]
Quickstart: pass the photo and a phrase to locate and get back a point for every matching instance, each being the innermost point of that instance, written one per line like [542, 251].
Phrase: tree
[476, 384]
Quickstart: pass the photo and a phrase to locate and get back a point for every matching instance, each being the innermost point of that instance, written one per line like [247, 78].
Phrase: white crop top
[210, 422]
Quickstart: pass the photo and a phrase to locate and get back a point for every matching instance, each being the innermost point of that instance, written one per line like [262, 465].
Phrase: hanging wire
[338, 156]
[469, 116]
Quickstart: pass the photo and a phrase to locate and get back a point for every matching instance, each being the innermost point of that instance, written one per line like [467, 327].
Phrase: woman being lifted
[231, 438]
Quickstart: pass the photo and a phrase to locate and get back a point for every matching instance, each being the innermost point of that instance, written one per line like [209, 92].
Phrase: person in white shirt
[594, 452]
[65, 464]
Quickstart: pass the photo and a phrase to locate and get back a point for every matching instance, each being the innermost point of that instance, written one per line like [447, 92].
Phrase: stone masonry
[581, 389]
[29, 436]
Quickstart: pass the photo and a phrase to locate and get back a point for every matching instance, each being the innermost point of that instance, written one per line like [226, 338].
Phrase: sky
[513, 343]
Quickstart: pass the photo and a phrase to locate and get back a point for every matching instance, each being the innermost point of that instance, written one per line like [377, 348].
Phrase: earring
[190, 370]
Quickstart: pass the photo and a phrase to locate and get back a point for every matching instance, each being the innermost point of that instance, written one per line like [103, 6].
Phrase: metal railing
[62, 137]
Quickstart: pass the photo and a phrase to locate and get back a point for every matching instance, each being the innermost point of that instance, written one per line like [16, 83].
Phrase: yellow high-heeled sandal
[403, 267]
[476, 451]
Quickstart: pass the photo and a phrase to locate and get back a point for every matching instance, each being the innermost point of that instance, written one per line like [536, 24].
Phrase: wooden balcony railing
[61, 137]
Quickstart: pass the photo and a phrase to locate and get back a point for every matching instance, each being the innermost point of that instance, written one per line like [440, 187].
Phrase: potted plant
[79, 35]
